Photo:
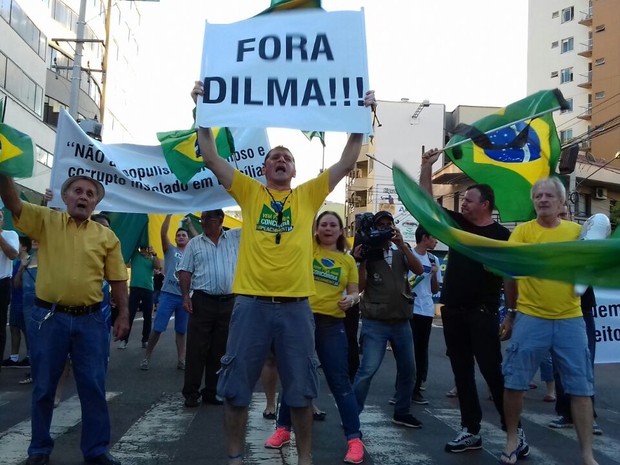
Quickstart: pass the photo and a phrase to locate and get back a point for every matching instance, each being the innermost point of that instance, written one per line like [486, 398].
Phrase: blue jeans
[332, 348]
[85, 338]
[376, 334]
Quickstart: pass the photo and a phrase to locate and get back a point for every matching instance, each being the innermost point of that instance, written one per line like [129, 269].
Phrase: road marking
[601, 444]
[167, 420]
[15, 441]
[493, 438]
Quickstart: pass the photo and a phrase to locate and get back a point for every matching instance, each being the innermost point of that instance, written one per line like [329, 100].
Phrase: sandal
[549, 398]
[269, 415]
[318, 415]
[511, 459]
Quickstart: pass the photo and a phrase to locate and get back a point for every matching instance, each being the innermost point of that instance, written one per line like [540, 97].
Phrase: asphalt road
[151, 426]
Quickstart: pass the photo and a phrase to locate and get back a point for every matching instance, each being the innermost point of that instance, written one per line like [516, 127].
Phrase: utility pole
[76, 76]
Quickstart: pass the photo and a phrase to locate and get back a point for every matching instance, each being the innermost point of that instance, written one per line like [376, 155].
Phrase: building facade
[37, 53]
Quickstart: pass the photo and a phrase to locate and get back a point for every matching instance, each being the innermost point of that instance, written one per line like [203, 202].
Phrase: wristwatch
[512, 311]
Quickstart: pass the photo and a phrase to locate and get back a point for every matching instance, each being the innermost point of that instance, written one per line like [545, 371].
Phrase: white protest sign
[137, 178]
[304, 70]
[607, 321]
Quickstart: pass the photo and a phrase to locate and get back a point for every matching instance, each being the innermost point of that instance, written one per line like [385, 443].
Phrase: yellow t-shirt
[73, 260]
[544, 298]
[264, 267]
[333, 271]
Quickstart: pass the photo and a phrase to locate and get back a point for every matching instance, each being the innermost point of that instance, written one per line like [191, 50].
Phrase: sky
[447, 51]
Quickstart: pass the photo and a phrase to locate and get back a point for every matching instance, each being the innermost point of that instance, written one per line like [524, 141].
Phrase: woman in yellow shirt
[336, 281]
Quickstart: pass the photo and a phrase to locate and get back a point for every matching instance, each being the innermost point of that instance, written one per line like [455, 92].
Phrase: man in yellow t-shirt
[547, 318]
[75, 255]
[272, 282]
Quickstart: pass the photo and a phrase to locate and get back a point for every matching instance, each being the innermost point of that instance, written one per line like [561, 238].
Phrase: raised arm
[9, 195]
[351, 150]
[426, 169]
[220, 167]
[165, 242]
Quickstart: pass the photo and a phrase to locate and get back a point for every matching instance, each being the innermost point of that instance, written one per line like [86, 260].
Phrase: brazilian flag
[591, 262]
[182, 154]
[16, 153]
[284, 5]
[510, 150]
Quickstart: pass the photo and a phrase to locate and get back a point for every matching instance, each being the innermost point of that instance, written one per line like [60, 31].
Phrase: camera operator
[385, 261]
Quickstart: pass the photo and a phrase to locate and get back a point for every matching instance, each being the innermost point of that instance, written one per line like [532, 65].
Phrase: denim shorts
[168, 304]
[255, 327]
[16, 315]
[533, 338]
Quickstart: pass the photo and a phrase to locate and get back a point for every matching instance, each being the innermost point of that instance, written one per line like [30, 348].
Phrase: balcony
[587, 82]
[587, 113]
[585, 50]
[586, 17]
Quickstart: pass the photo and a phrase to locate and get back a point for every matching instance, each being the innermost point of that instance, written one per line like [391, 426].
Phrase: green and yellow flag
[182, 154]
[284, 5]
[510, 150]
[593, 262]
[312, 134]
[16, 152]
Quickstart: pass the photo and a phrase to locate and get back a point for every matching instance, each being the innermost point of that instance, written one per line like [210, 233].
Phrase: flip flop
[511, 459]
[269, 415]
[549, 398]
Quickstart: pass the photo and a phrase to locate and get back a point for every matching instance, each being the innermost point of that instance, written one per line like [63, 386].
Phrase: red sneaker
[355, 454]
[278, 439]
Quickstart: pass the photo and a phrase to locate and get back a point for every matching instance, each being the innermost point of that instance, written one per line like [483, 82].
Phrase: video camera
[368, 235]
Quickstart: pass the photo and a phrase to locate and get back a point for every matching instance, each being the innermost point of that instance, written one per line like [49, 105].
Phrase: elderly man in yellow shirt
[75, 254]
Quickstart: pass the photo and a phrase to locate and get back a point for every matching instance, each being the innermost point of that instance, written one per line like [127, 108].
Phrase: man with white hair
[545, 316]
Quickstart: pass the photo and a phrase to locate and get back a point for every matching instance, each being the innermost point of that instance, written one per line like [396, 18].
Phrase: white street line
[14, 442]
[153, 438]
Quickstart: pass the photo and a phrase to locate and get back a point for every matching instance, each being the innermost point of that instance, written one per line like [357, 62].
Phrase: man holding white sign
[273, 281]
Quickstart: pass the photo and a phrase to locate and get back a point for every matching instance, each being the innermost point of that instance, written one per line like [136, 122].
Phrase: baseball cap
[383, 214]
[72, 179]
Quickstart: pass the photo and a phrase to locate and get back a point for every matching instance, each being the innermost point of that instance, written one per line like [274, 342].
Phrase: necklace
[278, 207]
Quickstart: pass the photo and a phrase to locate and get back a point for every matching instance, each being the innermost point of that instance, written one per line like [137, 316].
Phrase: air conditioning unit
[600, 193]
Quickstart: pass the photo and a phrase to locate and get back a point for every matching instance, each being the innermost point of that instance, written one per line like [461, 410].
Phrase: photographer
[385, 261]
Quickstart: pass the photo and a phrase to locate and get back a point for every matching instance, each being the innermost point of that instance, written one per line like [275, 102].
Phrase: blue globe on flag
[506, 136]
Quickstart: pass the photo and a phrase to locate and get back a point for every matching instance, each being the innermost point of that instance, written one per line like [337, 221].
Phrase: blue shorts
[256, 325]
[16, 315]
[169, 304]
[533, 338]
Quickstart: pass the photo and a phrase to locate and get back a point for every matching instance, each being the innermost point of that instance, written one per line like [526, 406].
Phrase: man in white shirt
[9, 246]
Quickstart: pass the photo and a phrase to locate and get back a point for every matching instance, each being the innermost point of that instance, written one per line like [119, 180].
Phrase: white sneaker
[122, 345]
[144, 365]
[464, 441]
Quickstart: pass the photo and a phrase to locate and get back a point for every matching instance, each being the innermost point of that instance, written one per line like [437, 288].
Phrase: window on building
[43, 156]
[566, 135]
[568, 14]
[584, 205]
[567, 45]
[599, 61]
[555, 14]
[570, 106]
[599, 95]
[554, 44]
[23, 88]
[2, 70]
[566, 75]
[554, 74]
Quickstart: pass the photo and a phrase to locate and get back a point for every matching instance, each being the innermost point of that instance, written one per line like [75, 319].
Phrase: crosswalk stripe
[167, 420]
[15, 441]
[493, 438]
[601, 444]
[384, 440]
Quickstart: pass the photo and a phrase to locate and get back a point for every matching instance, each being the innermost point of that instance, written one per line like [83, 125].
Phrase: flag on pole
[283, 5]
[183, 155]
[16, 152]
[510, 150]
[312, 134]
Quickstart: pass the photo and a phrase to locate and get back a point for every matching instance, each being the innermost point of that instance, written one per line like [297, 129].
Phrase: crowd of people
[274, 296]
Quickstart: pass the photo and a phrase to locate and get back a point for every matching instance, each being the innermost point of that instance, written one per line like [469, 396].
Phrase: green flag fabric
[592, 262]
[312, 134]
[182, 154]
[510, 150]
[131, 229]
[284, 5]
[16, 152]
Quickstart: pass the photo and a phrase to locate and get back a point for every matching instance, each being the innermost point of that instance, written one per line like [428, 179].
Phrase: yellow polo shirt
[265, 268]
[73, 260]
[544, 298]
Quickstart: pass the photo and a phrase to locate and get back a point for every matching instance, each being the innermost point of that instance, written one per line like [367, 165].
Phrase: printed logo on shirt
[268, 221]
[325, 272]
